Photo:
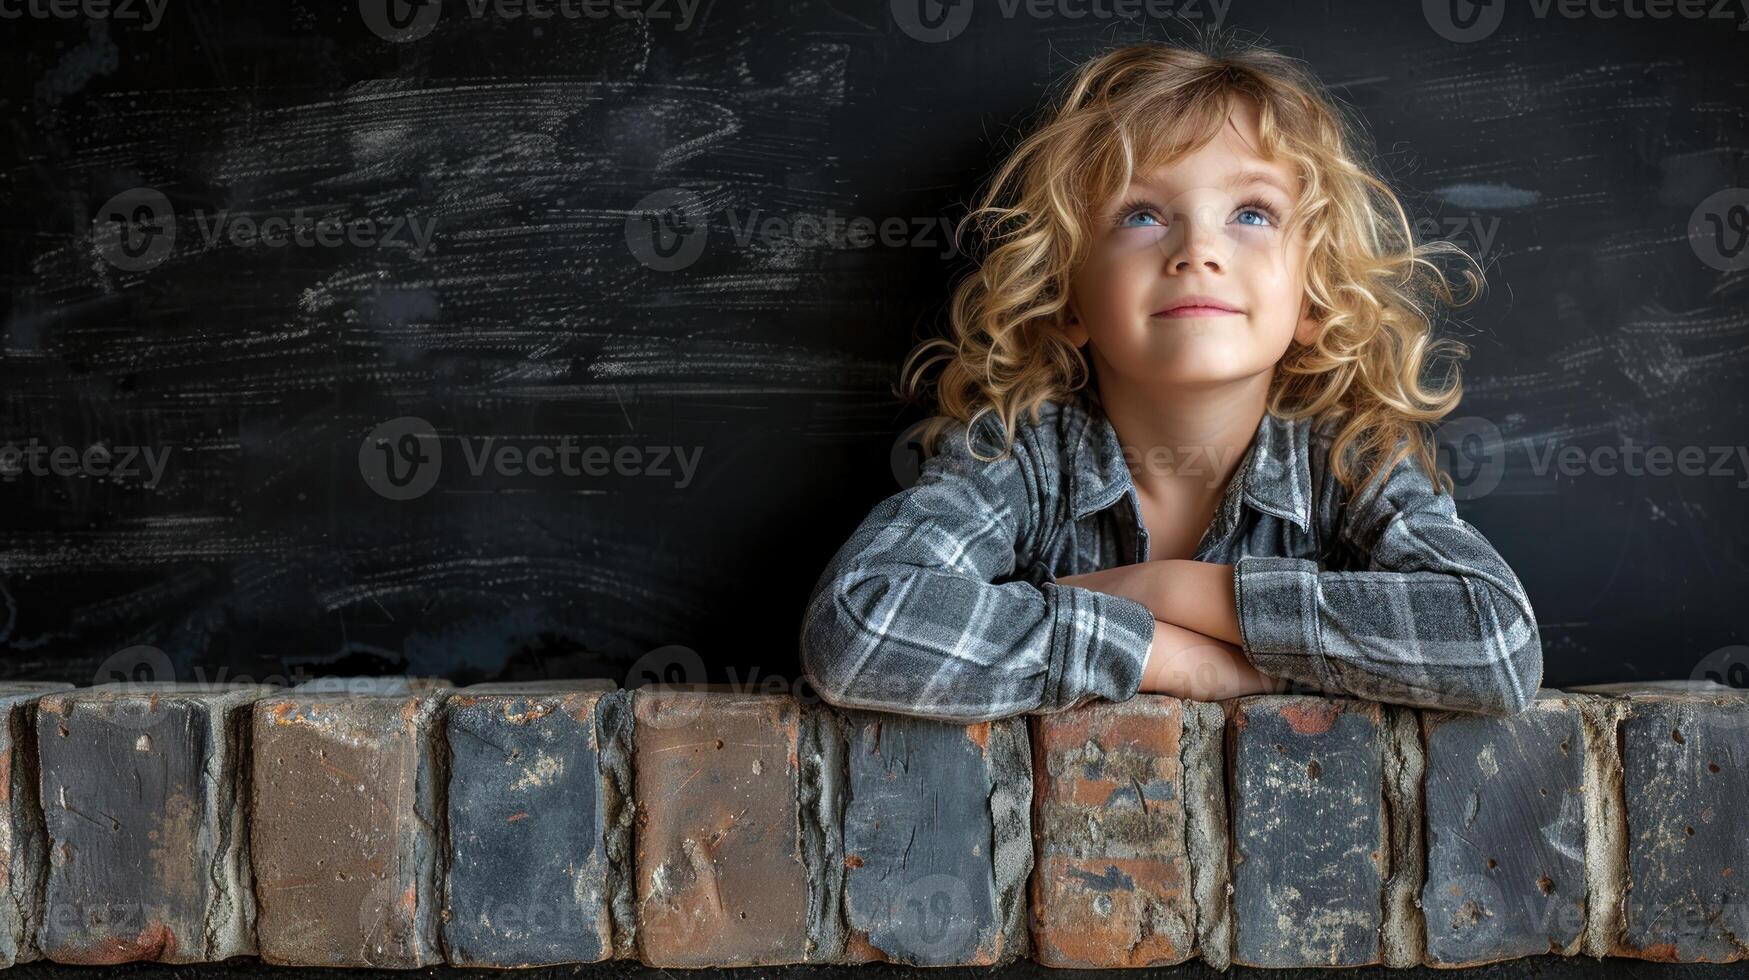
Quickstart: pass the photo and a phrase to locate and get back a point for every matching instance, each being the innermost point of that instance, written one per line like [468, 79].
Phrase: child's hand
[1186, 664]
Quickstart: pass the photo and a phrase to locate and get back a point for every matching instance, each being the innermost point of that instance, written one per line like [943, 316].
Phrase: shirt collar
[1275, 476]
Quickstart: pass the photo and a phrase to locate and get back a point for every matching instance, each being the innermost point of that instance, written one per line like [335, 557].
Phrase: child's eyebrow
[1243, 178]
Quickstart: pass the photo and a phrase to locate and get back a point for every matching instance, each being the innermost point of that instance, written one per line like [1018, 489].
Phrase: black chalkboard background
[1572, 152]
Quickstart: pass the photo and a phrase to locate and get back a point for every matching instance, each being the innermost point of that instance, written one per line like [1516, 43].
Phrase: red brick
[1108, 817]
[720, 874]
[346, 803]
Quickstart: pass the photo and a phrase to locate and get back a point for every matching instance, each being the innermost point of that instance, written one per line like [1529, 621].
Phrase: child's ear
[1306, 330]
[1073, 328]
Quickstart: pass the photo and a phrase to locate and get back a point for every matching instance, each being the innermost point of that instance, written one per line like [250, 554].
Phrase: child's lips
[1184, 312]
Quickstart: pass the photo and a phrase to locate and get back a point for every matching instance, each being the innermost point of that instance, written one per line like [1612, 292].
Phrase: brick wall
[411, 824]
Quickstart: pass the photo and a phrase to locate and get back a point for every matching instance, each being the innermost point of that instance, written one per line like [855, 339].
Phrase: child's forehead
[1232, 171]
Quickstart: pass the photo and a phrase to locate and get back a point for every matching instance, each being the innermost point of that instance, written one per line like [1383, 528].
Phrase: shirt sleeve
[920, 612]
[1436, 618]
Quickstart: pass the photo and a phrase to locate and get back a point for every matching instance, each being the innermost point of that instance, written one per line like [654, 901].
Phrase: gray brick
[937, 840]
[23, 844]
[1309, 831]
[1685, 782]
[140, 787]
[346, 823]
[539, 823]
[1506, 833]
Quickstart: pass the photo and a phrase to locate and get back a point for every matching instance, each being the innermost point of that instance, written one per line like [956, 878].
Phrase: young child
[1181, 444]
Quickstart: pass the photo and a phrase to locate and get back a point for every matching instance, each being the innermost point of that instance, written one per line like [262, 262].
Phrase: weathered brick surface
[346, 830]
[1685, 762]
[1402, 938]
[1113, 883]
[495, 826]
[140, 793]
[23, 844]
[937, 840]
[539, 823]
[369, 686]
[1505, 817]
[1309, 833]
[722, 870]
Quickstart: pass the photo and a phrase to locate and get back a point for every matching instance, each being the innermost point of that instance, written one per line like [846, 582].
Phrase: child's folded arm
[912, 616]
[1438, 619]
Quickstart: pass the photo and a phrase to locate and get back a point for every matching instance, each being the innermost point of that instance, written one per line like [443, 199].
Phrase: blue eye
[1134, 214]
[1258, 207]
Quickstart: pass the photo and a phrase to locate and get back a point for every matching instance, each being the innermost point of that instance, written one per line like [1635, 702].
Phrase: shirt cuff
[1100, 646]
[1277, 601]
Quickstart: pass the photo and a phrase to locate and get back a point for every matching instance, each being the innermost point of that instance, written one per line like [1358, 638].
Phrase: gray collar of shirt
[1276, 475]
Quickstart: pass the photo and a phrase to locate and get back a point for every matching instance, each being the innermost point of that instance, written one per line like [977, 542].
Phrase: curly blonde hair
[1370, 284]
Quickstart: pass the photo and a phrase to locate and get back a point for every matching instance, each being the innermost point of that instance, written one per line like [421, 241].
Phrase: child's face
[1194, 232]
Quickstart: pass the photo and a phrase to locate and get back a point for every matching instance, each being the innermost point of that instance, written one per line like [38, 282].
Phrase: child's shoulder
[1049, 437]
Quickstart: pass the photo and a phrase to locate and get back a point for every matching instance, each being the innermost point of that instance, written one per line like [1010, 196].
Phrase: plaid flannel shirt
[944, 602]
